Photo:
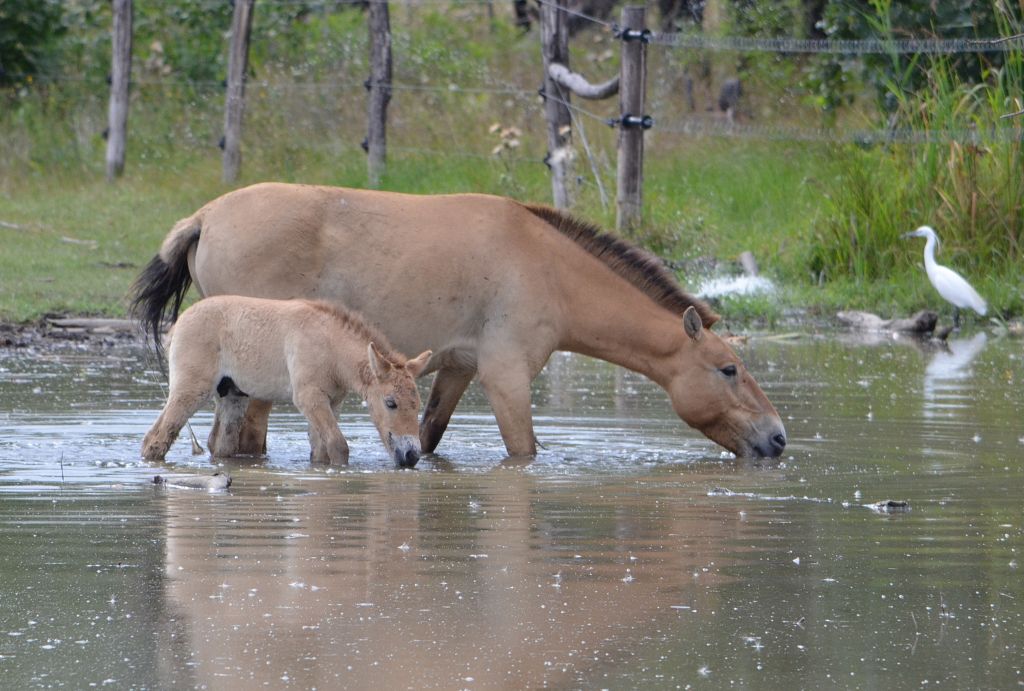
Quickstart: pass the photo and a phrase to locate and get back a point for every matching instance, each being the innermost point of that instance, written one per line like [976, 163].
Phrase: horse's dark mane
[638, 266]
[354, 322]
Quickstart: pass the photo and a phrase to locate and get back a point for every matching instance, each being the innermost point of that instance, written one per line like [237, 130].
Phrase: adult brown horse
[490, 285]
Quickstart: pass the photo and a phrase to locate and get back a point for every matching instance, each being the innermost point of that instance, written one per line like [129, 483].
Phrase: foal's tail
[159, 290]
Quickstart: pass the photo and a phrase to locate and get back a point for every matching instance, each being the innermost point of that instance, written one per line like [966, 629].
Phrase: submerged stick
[217, 481]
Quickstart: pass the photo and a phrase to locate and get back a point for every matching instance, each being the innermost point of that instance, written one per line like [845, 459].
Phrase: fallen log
[90, 324]
[217, 481]
[922, 322]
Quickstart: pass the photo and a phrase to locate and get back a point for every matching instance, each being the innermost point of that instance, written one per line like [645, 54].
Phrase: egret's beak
[911, 234]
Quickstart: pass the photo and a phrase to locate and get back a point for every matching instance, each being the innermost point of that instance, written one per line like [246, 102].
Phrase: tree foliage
[904, 19]
[29, 33]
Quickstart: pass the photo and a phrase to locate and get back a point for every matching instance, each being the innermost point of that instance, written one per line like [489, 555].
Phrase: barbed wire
[577, 13]
[451, 88]
[575, 108]
[934, 46]
[407, 3]
[701, 127]
[798, 45]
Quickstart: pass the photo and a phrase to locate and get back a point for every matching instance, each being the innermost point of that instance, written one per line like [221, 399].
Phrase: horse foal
[302, 351]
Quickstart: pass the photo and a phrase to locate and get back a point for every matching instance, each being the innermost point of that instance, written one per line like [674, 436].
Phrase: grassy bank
[74, 243]
[823, 219]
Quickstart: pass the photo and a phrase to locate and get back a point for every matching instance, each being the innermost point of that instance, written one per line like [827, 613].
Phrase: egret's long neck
[929, 251]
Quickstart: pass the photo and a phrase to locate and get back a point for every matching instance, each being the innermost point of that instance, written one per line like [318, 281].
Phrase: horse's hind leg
[182, 402]
[228, 419]
[448, 387]
[252, 435]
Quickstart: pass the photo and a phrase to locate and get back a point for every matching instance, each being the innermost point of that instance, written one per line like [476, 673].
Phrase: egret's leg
[956, 318]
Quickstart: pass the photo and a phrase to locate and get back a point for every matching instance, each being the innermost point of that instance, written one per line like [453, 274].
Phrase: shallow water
[631, 553]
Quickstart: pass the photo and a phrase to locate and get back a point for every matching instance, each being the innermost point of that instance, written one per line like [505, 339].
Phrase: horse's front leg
[507, 385]
[448, 387]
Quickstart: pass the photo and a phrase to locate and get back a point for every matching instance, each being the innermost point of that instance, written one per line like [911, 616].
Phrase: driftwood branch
[922, 322]
[578, 84]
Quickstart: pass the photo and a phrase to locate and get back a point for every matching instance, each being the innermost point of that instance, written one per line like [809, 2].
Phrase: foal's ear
[692, 323]
[418, 363]
[379, 365]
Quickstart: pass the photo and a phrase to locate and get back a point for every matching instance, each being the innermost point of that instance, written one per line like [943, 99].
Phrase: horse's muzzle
[773, 444]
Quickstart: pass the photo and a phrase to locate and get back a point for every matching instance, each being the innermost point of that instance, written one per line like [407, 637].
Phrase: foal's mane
[638, 266]
[355, 323]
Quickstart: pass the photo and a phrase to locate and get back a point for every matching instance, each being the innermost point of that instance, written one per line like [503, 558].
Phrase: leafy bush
[29, 32]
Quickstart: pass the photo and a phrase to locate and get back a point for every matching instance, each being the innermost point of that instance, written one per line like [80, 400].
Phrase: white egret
[951, 286]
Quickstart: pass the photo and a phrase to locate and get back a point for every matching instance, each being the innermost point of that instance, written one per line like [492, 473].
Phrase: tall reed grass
[964, 175]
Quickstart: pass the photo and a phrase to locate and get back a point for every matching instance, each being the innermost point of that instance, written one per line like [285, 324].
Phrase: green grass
[822, 220]
[79, 242]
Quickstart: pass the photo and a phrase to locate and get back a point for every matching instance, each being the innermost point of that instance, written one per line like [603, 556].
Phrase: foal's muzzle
[406, 450]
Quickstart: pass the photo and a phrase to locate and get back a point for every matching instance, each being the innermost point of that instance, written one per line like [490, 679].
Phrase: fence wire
[707, 127]
[932, 46]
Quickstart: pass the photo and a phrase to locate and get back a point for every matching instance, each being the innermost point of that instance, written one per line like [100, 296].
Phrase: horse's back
[427, 270]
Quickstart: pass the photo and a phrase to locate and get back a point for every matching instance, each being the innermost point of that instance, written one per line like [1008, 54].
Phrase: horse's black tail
[159, 290]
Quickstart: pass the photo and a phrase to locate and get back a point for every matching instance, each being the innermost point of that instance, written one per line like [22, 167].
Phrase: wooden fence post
[120, 76]
[234, 101]
[554, 37]
[633, 122]
[379, 86]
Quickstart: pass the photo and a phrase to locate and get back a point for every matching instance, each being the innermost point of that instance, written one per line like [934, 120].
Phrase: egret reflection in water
[946, 388]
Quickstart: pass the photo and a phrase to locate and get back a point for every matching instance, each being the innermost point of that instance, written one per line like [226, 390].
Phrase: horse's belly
[264, 384]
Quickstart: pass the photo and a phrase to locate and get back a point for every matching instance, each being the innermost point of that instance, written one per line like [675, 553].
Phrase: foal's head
[712, 391]
[394, 403]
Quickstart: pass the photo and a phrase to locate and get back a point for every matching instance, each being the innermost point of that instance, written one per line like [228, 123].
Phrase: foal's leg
[448, 387]
[327, 443]
[182, 402]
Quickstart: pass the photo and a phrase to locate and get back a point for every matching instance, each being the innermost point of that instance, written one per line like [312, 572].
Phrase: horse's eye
[390, 403]
[729, 370]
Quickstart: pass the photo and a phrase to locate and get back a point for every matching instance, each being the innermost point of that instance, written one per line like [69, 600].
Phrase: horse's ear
[379, 365]
[692, 323]
[418, 363]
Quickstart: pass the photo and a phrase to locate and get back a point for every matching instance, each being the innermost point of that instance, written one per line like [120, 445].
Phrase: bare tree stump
[554, 39]
[120, 76]
[380, 91]
[234, 102]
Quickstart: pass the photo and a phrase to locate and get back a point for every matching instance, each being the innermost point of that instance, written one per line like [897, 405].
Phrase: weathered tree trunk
[120, 76]
[632, 87]
[554, 38]
[234, 102]
[380, 91]
[579, 85]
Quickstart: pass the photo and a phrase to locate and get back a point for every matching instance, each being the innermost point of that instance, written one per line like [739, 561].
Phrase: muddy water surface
[631, 553]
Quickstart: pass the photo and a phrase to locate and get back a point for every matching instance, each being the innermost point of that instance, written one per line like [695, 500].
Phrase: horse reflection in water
[415, 581]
